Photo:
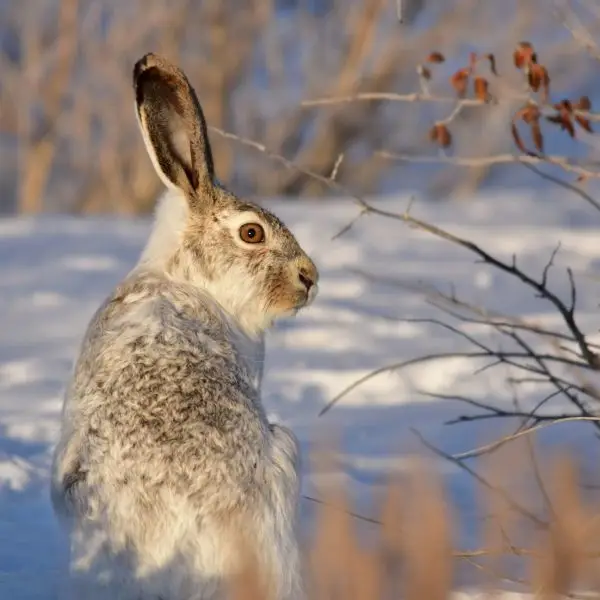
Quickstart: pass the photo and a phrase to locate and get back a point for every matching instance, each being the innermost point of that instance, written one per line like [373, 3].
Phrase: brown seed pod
[481, 88]
[436, 57]
[440, 134]
[460, 81]
[538, 78]
[524, 55]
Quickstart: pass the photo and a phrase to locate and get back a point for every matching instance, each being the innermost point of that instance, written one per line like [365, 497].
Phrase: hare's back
[166, 403]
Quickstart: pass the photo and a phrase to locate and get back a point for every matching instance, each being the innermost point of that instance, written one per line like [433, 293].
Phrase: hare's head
[241, 254]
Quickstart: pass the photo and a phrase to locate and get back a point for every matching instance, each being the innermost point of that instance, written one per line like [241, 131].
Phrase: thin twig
[581, 168]
[509, 438]
[499, 356]
[512, 503]
[510, 268]
[417, 97]
[549, 264]
[344, 510]
[564, 184]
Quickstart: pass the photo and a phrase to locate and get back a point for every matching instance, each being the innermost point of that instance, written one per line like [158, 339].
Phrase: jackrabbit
[166, 465]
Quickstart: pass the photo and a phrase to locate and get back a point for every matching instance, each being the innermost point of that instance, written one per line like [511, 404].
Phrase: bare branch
[581, 168]
[549, 265]
[573, 291]
[418, 97]
[547, 422]
[502, 493]
[564, 184]
[499, 357]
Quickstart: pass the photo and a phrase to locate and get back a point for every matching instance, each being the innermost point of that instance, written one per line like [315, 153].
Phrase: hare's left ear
[173, 127]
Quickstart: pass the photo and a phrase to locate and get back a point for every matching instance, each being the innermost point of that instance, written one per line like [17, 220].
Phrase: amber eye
[252, 233]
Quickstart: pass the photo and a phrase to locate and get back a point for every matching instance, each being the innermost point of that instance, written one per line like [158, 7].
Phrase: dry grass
[412, 555]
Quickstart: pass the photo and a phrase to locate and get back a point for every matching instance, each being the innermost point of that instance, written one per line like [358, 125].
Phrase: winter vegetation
[441, 170]
[327, 84]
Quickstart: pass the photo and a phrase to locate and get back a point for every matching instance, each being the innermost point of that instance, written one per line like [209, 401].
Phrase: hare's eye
[252, 233]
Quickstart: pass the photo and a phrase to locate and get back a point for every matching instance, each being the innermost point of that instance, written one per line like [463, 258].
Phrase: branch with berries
[566, 113]
[474, 86]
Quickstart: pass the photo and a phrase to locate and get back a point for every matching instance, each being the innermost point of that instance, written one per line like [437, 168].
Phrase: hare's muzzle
[308, 277]
[305, 279]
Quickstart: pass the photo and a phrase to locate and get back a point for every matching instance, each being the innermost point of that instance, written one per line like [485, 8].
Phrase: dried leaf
[444, 136]
[584, 123]
[568, 126]
[534, 81]
[564, 105]
[565, 116]
[433, 134]
[534, 77]
[584, 103]
[439, 133]
[481, 88]
[524, 55]
[460, 81]
[530, 114]
[536, 134]
[563, 119]
[436, 57]
[546, 86]
[492, 60]
[538, 78]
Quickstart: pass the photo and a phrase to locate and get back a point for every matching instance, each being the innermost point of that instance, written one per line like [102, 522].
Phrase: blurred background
[68, 135]
[349, 92]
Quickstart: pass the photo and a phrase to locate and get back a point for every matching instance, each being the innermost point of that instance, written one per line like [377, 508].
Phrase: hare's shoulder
[163, 390]
[154, 346]
[150, 311]
[162, 338]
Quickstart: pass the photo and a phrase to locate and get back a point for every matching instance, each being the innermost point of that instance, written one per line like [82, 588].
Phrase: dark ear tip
[148, 61]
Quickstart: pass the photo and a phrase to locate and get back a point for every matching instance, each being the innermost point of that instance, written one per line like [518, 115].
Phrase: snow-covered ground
[54, 271]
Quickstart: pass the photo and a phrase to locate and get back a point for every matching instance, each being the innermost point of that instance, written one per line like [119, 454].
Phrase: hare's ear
[173, 126]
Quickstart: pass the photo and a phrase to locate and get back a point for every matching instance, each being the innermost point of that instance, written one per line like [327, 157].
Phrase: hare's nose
[307, 274]
[305, 279]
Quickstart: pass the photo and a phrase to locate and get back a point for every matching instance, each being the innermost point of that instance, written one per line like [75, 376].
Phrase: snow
[55, 270]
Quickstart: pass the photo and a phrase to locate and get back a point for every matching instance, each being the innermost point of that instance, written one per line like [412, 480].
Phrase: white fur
[176, 540]
[171, 217]
[170, 220]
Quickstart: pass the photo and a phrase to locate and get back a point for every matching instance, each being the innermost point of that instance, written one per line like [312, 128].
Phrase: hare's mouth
[288, 304]
[312, 294]
[307, 297]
